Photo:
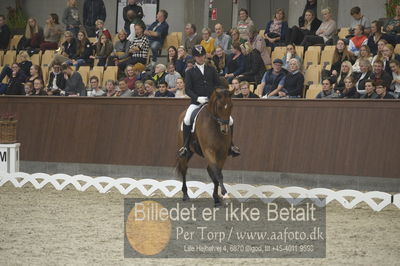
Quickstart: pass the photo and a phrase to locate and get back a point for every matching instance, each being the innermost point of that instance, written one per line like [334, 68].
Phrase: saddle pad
[193, 117]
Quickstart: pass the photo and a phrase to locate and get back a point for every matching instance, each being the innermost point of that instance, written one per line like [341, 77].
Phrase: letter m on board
[3, 156]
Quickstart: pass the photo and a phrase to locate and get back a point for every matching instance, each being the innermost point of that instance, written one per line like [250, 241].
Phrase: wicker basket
[8, 132]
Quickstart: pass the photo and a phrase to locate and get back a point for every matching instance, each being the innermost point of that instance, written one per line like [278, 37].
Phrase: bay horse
[211, 139]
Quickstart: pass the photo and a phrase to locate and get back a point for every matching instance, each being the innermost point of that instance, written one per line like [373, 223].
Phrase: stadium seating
[9, 57]
[343, 32]
[313, 91]
[110, 73]
[45, 73]
[327, 56]
[311, 58]
[312, 75]
[397, 49]
[84, 71]
[14, 42]
[35, 58]
[98, 73]
[47, 57]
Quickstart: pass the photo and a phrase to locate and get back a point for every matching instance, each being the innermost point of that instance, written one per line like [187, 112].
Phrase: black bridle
[219, 120]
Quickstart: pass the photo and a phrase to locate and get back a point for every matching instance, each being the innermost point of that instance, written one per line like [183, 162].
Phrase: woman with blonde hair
[207, 42]
[71, 17]
[180, 89]
[379, 56]
[387, 55]
[258, 42]
[365, 53]
[346, 71]
[33, 36]
[235, 36]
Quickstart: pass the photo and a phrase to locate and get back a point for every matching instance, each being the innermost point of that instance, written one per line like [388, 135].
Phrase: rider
[200, 82]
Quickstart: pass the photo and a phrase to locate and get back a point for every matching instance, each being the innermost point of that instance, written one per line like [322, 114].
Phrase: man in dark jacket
[157, 32]
[92, 11]
[132, 5]
[200, 82]
[5, 33]
[254, 64]
[14, 86]
[273, 80]
[56, 80]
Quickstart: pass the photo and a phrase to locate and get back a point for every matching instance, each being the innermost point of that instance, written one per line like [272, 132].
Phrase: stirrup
[183, 152]
[234, 151]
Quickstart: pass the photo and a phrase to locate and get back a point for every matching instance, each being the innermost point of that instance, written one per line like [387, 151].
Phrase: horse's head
[220, 107]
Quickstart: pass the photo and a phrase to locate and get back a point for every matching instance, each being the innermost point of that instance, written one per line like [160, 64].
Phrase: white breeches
[189, 111]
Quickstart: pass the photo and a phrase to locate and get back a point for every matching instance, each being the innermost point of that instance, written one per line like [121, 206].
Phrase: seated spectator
[180, 89]
[294, 81]
[71, 17]
[95, 89]
[235, 36]
[73, 85]
[340, 55]
[235, 86]
[110, 88]
[243, 24]
[150, 88]
[157, 32]
[56, 80]
[134, 20]
[5, 33]
[235, 63]
[52, 33]
[358, 40]
[273, 79]
[345, 72]
[192, 38]
[138, 50]
[103, 50]
[130, 77]
[138, 13]
[276, 30]
[362, 76]
[140, 89]
[369, 90]
[159, 74]
[207, 42]
[181, 62]
[310, 26]
[258, 42]
[190, 64]
[24, 64]
[140, 72]
[254, 65]
[171, 77]
[123, 90]
[388, 55]
[358, 19]
[379, 54]
[38, 88]
[28, 87]
[392, 27]
[163, 90]
[15, 82]
[375, 36]
[219, 60]
[378, 74]
[101, 30]
[245, 91]
[349, 90]
[33, 36]
[121, 50]
[34, 73]
[395, 86]
[381, 90]
[291, 53]
[327, 90]
[325, 32]
[172, 55]
[365, 54]
[310, 5]
[67, 50]
[222, 39]
[83, 51]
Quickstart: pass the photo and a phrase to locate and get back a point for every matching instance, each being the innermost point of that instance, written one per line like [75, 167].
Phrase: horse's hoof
[185, 198]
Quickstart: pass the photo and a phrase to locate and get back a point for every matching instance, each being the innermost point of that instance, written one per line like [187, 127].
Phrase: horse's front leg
[213, 176]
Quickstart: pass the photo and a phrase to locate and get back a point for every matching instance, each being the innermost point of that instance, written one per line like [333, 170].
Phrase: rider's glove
[202, 99]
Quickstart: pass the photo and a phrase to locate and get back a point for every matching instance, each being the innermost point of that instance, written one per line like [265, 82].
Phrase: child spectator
[171, 77]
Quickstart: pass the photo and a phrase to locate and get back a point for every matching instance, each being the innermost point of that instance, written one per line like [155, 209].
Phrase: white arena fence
[347, 198]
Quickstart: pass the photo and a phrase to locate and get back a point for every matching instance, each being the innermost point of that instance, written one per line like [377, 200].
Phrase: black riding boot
[184, 151]
[234, 150]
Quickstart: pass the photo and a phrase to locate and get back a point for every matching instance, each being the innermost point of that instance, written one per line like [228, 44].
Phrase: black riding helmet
[198, 50]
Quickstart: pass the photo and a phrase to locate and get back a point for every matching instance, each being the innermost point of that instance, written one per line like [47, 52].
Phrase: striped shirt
[143, 44]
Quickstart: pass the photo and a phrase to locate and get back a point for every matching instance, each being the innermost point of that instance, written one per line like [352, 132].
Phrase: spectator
[392, 27]
[34, 73]
[101, 30]
[244, 23]
[28, 87]
[245, 91]
[375, 36]
[180, 89]
[52, 33]
[388, 54]
[358, 19]
[378, 74]
[83, 50]
[291, 53]
[110, 88]
[56, 80]
[181, 62]
[325, 32]
[309, 27]
[273, 79]
[379, 54]
[207, 42]
[69, 46]
[38, 88]
[381, 90]
[363, 75]
[74, 85]
[340, 55]
[294, 81]
[130, 77]
[349, 90]
[236, 86]
[254, 65]
[16, 78]
[71, 17]
[123, 90]
[157, 33]
[276, 30]
[358, 40]
[310, 5]
[138, 49]
[103, 49]
[395, 86]
[5, 33]
[150, 88]
[346, 71]
[258, 42]
[365, 53]
[171, 77]
[369, 90]
[121, 50]
[138, 12]
[24, 64]
[235, 36]
[140, 74]
[159, 74]
[190, 64]
[172, 55]
[33, 36]
[327, 90]
[219, 60]
[92, 11]
[141, 90]
[222, 39]
[235, 63]
[163, 90]
[95, 89]
[192, 38]
[134, 20]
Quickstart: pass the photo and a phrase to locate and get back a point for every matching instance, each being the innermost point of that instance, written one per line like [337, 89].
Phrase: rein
[219, 120]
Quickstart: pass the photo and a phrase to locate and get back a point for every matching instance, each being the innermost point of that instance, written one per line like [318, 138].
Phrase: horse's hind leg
[182, 171]
[213, 175]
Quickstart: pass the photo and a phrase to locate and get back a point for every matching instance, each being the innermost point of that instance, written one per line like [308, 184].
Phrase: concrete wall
[373, 9]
